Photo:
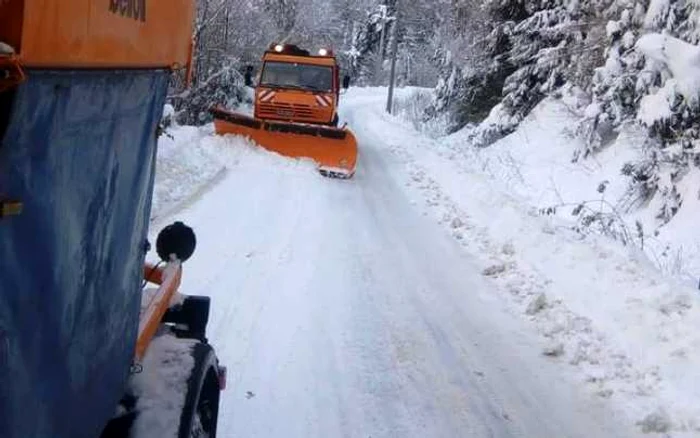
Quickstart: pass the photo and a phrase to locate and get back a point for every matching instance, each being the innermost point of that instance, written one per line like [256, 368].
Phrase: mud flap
[333, 149]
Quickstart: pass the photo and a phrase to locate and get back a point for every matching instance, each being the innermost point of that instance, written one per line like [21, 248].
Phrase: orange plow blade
[333, 149]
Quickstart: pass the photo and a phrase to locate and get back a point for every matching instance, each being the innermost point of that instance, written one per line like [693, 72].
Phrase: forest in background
[490, 63]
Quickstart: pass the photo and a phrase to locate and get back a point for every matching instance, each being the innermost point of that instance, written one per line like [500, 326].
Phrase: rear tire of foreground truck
[201, 411]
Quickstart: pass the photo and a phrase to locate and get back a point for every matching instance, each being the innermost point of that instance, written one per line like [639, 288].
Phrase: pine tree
[543, 40]
[634, 88]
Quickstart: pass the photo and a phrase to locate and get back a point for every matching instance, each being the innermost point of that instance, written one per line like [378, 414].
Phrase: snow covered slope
[536, 164]
[419, 298]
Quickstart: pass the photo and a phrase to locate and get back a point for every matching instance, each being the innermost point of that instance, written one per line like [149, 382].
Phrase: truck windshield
[293, 75]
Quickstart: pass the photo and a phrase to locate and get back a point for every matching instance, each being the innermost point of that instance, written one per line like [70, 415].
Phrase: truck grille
[288, 111]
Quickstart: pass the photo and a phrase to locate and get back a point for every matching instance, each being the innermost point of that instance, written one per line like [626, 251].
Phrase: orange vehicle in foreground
[296, 110]
[94, 341]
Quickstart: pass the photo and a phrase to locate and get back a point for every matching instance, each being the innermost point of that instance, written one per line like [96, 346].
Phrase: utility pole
[394, 50]
[380, 54]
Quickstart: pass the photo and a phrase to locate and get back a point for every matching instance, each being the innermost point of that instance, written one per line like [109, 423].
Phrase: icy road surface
[341, 310]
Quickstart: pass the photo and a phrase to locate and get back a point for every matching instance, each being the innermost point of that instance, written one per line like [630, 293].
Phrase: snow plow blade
[333, 149]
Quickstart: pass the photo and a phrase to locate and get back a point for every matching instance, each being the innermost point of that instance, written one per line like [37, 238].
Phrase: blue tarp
[79, 152]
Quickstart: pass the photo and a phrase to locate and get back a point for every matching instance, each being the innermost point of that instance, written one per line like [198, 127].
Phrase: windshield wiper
[294, 87]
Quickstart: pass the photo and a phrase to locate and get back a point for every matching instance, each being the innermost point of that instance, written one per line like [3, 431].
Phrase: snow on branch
[680, 58]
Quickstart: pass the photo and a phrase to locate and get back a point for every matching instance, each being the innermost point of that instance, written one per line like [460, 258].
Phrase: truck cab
[296, 110]
[84, 319]
[296, 86]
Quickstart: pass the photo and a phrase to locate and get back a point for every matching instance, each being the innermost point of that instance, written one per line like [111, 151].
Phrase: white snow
[191, 160]
[6, 49]
[657, 106]
[612, 28]
[681, 58]
[168, 111]
[623, 324]
[161, 387]
[593, 110]
[628, 40]
[428, 296]
[187, 161]
[656, 9]
[536, 164]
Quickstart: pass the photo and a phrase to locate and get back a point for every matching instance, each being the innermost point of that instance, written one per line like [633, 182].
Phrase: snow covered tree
[512, 54]
[544, 40]
[231, 35]
[225, 87]
[615, 86]
[228, 36]
[365, 46]
[469, 52]
[283, 14]
[648, 78]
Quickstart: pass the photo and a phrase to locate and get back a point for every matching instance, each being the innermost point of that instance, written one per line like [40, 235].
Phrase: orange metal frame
[99, 33]
[168, 278]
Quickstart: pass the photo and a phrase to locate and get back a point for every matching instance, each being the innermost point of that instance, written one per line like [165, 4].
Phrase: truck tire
[201, 411]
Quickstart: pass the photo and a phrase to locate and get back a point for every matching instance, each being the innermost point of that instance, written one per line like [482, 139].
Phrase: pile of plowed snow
[191, 159]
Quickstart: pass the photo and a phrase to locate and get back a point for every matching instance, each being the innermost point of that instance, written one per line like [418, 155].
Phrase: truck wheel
[201, 411]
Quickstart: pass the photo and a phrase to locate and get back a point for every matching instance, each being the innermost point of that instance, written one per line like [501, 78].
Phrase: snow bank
[187, 160]
[191, 159]
[538, 164]
[604, 310]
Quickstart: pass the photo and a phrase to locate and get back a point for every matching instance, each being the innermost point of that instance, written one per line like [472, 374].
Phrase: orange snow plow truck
[95, 340]
[296, 110]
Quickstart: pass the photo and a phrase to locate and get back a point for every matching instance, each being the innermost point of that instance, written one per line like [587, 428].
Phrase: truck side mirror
[249, 81]
[176, 239]
[346, 81]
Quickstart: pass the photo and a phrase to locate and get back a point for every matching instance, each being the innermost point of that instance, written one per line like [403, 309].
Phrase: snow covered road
[342, 310]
